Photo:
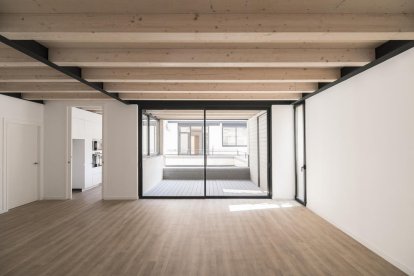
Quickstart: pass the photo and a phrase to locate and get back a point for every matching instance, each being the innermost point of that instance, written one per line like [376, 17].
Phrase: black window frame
[157, 135]
[208, 105]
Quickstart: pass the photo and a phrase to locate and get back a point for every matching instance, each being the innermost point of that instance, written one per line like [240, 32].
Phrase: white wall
[120, 130]
[360, 157]
[17, 110]
[152, 171]
[283, 158]
[252, 126]
[120, 150]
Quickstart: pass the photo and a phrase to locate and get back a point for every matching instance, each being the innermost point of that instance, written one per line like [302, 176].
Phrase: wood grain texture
[202, 6]
[119, 57]
[87, 236]
[211, 75]
[208, 28]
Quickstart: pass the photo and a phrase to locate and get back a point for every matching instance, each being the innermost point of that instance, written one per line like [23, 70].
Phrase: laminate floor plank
[88, 236]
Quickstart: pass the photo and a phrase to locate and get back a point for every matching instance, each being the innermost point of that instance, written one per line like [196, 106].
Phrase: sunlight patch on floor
[236, 191]
[261, 206]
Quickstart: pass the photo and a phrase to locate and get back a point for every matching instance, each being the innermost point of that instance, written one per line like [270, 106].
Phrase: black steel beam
[348, 70]
[39, 52]
[74, 70]
[322, 84]
[389, 46]
[384, 52]
[13, 95]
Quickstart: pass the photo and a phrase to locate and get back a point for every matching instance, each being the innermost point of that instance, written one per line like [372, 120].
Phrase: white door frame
[39, 179]
[68, 157]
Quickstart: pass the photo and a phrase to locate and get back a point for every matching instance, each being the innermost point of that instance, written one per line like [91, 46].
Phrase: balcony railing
[214, 158]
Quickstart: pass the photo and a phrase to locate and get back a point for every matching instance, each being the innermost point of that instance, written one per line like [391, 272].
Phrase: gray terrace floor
[214, 188]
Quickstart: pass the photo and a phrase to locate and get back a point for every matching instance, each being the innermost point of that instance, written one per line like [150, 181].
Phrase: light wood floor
[213, 188]
[87, 236]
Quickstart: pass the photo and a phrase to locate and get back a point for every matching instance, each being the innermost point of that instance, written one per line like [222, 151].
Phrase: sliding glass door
[205, 153]
[176, 167]
[300, 153]
[236, 161]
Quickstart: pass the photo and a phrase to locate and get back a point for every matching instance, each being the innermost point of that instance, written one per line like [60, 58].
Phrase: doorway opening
[86, 148]
[204, 153]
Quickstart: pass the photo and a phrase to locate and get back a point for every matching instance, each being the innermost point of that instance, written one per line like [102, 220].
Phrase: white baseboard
[3, 211]
[54, 198]
[368, 245]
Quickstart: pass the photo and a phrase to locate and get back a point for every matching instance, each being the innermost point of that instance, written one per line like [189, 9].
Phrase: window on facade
[150, 135]
[190, 139]
[153, 136]
[144, 135]
[234, 135]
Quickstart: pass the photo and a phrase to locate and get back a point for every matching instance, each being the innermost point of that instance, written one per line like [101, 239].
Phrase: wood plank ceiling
[194, 49]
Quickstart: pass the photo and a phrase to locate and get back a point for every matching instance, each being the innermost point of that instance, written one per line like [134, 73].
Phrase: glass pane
[178, 170]
[185, 129]
[300, 161]
[263, 152]
[144, 135]
[229, 136]
[153, 139]
[232, 145]
[184, 143]
[197, 140]
[242, 136]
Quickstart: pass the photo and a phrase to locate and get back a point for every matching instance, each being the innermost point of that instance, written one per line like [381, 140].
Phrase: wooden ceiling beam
[211, 87]
[207, 28]
[174, 75]
[164, 96]
[211, 75]
[209, 96]
[33, 74]
[12, 58]
[201, 6]
[222, 88]
[101, 57]
[36, 87]
[65, 96]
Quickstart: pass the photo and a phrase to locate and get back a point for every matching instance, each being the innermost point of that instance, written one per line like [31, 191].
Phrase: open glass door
[237, 153]
[300, 154]
[173, 153]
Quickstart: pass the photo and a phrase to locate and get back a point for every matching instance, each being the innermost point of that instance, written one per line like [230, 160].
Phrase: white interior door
[22, 161]
[300, 154]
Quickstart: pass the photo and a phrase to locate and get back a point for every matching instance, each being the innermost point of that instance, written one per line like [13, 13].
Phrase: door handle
[35, 163]
[303, 168]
